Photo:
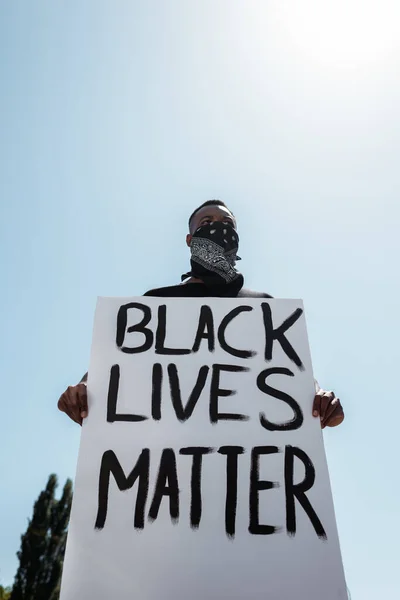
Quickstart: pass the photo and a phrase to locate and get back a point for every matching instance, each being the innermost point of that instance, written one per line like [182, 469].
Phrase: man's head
[209, 212]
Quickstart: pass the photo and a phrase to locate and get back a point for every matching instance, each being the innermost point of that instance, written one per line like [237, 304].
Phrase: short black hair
[209, 203]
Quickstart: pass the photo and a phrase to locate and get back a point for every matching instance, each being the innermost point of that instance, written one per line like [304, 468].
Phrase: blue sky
[117, 120]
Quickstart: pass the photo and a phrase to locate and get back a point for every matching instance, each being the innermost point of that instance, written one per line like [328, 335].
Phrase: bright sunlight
[342, 33]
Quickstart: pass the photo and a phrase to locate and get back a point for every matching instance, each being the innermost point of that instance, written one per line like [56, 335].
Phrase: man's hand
[74, 402]
[328, 408]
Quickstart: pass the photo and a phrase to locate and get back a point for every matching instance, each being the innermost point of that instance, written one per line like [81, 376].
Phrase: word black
[206, 331]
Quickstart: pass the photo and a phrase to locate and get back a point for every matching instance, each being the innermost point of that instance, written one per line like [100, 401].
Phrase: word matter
[167, 486]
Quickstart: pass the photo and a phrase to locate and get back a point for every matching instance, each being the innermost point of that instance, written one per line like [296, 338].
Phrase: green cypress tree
[5, 593]
[34, 544]
[42, 546]
[48, 587]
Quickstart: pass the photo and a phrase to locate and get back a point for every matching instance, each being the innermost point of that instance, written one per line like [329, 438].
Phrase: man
[213, 243]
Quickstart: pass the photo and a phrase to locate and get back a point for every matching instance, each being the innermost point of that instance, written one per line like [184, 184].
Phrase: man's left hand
[328, 408]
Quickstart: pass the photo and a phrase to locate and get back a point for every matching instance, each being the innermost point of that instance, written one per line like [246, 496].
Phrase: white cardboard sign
[201, 472]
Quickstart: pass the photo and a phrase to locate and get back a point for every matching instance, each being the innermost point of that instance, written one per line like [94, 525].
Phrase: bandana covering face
[213, 248]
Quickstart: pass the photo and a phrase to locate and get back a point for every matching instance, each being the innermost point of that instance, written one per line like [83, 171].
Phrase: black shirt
[199, 290]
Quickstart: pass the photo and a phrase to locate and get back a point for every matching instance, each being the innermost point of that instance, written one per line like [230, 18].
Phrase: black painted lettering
[183, 413]
[110, 465]
[161, 334]
[122, 319]
[257, 485]
[156, 387]
[299, 490]
[278, 334]
[222, 329]
[205, 330]
[112, 399]
[196, 500]
[231, 453]
[166, 485]
[216, 392]
[262, 385]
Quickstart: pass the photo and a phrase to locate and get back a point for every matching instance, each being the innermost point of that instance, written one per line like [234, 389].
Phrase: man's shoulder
[246, 293]
[170, 291]
[195, 290]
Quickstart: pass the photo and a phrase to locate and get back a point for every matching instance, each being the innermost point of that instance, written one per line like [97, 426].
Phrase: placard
[202, 472]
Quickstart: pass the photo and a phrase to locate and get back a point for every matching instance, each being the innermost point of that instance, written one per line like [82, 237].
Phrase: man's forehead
[212, 211]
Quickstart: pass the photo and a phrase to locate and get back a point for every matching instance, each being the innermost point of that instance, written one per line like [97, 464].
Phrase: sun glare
[343, 33]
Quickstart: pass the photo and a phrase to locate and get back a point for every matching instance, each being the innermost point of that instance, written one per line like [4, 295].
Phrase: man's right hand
[74, 402]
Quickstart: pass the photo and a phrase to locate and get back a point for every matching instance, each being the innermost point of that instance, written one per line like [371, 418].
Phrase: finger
[82, 400]
[336, 417]
[317, 404]
[61, 404]
[72, 404]
[64, 407]
[326, 401]
[318, 400]
[331, 408]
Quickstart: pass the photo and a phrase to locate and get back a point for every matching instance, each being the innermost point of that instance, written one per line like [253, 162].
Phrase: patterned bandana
[213, 248]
